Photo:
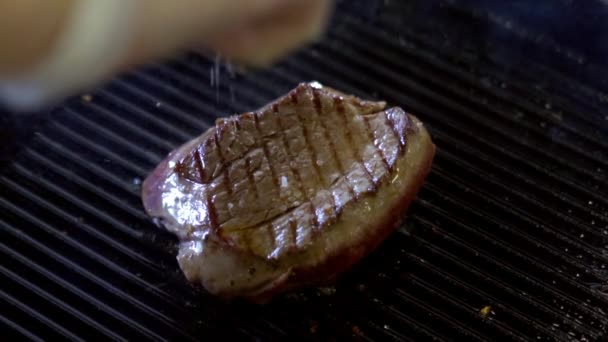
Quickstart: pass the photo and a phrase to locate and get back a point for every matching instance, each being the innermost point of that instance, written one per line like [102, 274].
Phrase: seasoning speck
[87, 98]
[485, 311]
[327, 291]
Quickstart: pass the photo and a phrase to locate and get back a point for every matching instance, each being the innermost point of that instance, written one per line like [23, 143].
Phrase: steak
[291, 195]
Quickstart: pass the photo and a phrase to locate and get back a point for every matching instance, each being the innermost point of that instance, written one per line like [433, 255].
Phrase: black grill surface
[507, 240]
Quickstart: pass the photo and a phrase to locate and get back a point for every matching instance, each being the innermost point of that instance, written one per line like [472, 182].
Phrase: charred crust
[213, 220]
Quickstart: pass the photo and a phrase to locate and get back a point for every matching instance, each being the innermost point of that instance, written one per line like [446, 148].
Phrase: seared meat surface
[290, 195]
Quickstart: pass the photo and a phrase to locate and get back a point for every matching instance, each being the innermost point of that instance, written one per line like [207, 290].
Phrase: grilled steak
[290, 195]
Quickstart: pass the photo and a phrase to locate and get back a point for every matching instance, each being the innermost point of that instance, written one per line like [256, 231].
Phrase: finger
[262, 41]
[39, 23]
[162, 26]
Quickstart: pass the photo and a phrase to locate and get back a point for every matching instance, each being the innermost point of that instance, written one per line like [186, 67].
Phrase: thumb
[261, 40]
[161, 27]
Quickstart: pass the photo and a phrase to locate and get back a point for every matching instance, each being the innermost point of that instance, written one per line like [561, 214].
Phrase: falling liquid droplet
[218, 60]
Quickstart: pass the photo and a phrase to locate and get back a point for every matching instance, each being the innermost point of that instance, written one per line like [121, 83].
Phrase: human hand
[73, 45]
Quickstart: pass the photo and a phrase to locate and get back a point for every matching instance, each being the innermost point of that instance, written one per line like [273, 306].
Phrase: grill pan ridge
[508, 239]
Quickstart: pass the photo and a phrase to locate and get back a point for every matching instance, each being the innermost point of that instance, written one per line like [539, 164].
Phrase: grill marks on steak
[291, 169]
[270, 190]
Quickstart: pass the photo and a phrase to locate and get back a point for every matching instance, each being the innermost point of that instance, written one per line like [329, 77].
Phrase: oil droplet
[316, 85]
[158, 221]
